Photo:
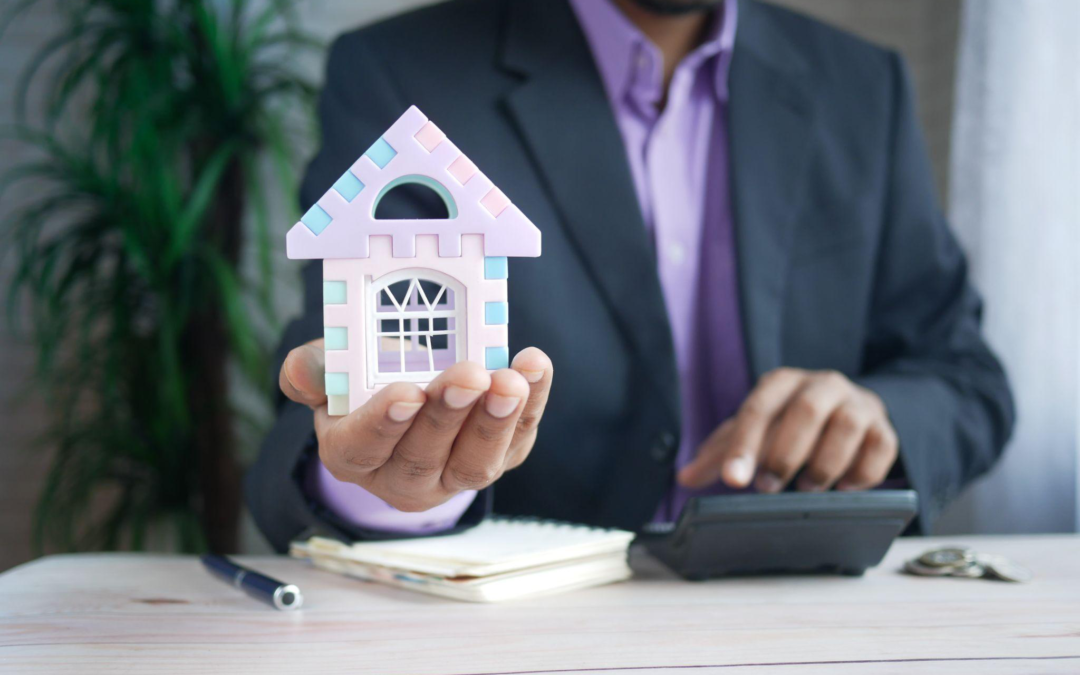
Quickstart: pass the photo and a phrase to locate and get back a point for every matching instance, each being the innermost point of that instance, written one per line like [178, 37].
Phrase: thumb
[302, 376]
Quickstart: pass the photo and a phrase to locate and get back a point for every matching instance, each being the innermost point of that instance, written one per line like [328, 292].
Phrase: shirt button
[676, 253]
[663, 448]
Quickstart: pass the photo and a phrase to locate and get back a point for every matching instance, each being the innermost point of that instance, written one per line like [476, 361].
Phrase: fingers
[708, 466]
[415, 467]
[836, 451]
[817, 422]
[415, 448]
[302, 376]
[354, 446]
[478, 454]
[732, 454]
[858, 434]
[879, 452]
[537, 370]
[819, 402]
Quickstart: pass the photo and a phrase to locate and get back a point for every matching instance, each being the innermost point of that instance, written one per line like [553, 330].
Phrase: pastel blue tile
[336, 337]
[496, 313]
[333, 293]
[381, 153]
[337, 384]
[496, 357]
[495, 267]
[348, 186]
[316, 219]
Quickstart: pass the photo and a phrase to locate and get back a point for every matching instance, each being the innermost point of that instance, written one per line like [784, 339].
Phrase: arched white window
[416, 323]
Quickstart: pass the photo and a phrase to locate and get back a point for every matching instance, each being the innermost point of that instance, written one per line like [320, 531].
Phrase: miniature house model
[405, 299]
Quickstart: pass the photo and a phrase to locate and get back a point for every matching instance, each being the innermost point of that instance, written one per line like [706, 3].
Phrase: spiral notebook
[499, 559]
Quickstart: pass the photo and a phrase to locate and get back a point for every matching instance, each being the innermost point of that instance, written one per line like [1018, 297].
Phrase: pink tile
[495, 201]
[430, 136]
[462, 169]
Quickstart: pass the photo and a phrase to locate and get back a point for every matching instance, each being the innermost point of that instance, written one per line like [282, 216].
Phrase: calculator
[788, 533]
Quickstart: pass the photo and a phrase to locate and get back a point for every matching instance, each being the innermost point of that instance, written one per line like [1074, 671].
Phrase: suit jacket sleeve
[946, 393]
[358, 102]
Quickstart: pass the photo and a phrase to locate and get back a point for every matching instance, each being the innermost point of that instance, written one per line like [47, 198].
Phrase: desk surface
[162, 614]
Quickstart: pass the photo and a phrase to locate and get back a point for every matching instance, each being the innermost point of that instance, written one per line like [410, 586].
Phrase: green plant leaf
[126, 253]
[191, 215]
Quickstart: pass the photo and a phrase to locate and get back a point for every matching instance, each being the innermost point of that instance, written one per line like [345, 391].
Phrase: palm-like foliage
[157, 114]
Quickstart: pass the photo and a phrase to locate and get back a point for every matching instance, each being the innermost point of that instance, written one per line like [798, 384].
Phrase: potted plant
[143, 197]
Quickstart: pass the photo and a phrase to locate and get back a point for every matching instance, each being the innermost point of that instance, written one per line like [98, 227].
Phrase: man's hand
[819, 422]
[414, 448]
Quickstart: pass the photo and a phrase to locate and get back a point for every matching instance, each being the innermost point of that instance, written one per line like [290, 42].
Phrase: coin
[967, 564]
[947, 557]
[969, 570]
[1004, 569]
[918, 569]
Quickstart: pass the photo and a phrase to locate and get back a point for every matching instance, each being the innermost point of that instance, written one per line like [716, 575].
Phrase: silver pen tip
[288, 597]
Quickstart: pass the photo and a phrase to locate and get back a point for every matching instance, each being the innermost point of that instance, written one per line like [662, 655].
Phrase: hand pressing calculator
[793, 533]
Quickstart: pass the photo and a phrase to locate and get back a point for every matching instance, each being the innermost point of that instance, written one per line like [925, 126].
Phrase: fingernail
[500, 406]
[532, 376]
[741, 470]
[402, 411]
[846, 487]
[804, 484]
[459, 397]
[768, 482]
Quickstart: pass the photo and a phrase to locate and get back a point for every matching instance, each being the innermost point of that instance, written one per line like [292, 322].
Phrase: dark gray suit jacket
[844, 258]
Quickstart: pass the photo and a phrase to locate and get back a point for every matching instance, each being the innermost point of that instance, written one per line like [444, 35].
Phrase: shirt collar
[631, 65]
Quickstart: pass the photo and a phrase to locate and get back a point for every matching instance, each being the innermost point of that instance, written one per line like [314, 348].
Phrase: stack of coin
[965, 563]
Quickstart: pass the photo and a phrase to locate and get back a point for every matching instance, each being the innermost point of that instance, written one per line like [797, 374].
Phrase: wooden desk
[160, 614]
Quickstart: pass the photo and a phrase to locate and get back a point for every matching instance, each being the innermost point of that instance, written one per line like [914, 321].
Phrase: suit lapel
[770, 132]
[563, 116]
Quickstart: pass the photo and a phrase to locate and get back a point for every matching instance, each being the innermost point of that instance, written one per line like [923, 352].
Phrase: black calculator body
[790, 533]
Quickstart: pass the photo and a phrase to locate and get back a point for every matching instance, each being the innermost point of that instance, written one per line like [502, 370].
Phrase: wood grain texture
[101, 613]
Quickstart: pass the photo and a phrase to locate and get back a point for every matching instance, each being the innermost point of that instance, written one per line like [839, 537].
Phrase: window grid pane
[415, 327]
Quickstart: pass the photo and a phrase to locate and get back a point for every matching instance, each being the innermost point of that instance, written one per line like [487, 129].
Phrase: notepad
[500, 559]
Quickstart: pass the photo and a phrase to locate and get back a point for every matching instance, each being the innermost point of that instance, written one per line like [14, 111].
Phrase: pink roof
[339, 228]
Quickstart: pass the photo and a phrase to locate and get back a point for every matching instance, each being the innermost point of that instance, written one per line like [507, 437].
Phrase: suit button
[663, 448]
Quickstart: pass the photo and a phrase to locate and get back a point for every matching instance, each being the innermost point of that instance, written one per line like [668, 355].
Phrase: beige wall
[923, 30]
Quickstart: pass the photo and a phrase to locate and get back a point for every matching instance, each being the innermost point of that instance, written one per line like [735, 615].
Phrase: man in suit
[747, 282]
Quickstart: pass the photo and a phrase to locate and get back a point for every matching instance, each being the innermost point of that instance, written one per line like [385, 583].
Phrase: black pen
[259, 586]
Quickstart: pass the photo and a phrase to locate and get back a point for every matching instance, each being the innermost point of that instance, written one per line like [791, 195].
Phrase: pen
[259, 586]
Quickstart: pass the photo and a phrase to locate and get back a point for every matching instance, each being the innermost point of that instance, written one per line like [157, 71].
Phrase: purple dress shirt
[678, 158]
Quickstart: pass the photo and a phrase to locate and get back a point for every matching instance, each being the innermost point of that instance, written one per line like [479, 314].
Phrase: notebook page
[530, 583]
[495, 546]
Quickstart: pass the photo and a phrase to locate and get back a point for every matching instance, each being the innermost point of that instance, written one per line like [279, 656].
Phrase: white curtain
[1015, 203]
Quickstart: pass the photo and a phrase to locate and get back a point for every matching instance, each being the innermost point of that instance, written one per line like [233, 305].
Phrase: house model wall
[404, 299]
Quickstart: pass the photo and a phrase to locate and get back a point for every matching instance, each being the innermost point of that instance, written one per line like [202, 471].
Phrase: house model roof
[413, 150]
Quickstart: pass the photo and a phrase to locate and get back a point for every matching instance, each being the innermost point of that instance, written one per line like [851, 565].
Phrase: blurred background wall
[925, 31]
[22, 463]
[1014, 200]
